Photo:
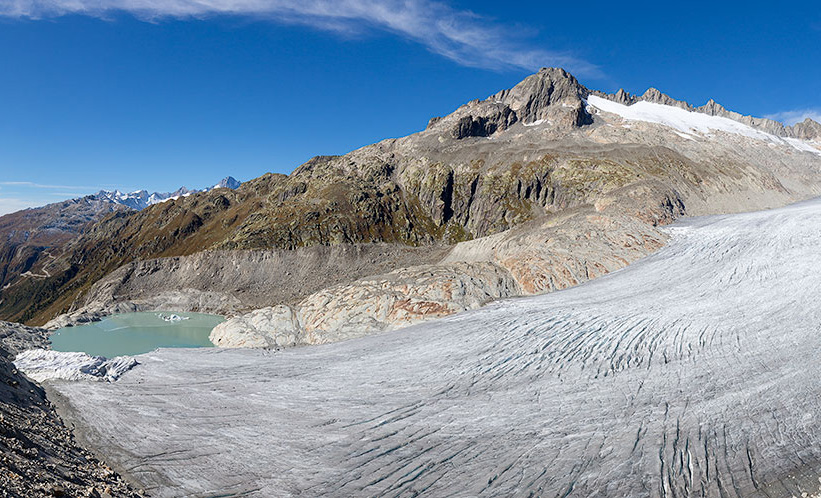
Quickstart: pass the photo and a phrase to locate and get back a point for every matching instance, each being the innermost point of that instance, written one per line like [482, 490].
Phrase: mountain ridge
[141, 199]
[806, 130]
[562, 85]
[31, 239]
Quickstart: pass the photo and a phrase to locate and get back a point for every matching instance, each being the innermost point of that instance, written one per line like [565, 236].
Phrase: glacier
[41, 365]
[693, 372]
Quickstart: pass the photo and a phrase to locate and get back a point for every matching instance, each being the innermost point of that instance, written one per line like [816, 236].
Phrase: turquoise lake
[136, 333]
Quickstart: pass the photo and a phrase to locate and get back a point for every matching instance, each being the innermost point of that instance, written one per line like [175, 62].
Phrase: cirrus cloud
[796, 116]
[462, 36]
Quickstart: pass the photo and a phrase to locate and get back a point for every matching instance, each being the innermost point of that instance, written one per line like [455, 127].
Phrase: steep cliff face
[519, 157]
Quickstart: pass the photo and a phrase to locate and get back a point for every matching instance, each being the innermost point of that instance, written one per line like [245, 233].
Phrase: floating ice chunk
[172, 317]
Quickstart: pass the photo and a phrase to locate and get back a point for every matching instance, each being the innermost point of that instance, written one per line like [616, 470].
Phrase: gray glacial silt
[694, 372]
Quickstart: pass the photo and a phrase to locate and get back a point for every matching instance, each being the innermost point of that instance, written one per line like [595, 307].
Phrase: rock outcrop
[807, 130]
[15, 338]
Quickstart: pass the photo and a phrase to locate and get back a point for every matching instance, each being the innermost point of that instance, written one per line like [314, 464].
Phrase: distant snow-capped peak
[141, 199]
[227, 182]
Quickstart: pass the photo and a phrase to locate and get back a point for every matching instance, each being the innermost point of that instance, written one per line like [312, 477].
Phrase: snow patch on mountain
[691, 123]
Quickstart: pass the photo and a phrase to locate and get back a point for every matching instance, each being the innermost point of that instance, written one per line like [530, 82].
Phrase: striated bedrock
[15, 338]
[532, 152]
[397, 299]
[230, 282]
[552, 254]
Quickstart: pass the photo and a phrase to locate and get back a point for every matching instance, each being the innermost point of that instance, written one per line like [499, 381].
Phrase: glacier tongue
[41, 365]
[692, 372]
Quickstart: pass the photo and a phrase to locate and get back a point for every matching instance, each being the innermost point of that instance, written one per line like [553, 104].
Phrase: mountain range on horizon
[29, 234]
[141, 199]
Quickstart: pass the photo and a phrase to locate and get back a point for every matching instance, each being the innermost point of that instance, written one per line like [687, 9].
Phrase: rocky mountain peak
[713, 108]
[623, 97]
[531, 98]
[228, 182]
[807, 130]
[552, 95]
[655, 96]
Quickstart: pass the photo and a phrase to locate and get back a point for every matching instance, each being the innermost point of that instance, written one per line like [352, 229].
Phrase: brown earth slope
[32, 239]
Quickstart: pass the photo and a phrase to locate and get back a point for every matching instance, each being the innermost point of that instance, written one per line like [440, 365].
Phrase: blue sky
[154, 94]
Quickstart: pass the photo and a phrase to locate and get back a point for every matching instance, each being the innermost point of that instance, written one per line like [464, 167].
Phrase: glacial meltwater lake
[136, 333]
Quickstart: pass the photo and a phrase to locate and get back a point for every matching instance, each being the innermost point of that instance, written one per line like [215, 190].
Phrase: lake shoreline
[128, 334]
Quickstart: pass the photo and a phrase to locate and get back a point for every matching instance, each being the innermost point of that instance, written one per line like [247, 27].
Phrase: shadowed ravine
[692, 372]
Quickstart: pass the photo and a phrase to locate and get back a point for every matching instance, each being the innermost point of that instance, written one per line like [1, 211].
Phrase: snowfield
[688, 122]
[694, 372]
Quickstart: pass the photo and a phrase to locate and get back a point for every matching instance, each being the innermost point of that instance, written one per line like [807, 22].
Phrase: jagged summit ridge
[552, 95]
[555, 96]
[532, 98]
[808, 130]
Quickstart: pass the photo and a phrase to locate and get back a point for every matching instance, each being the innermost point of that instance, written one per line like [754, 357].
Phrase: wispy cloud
[462, 36]
[12, 204]
[796, 116]
[17, 195]
[45, 186]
